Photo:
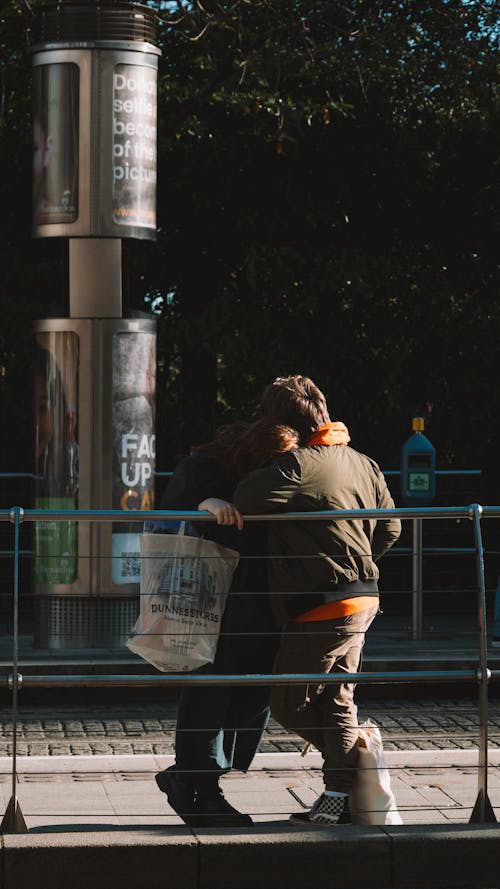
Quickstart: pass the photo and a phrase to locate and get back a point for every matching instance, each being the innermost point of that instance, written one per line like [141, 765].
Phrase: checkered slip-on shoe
[326, 810]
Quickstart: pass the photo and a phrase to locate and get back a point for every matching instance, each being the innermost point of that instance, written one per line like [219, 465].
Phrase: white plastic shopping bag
[184, 586]
[372, 800]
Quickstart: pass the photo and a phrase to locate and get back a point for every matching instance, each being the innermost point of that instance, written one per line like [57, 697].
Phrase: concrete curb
[150, 762]
[273, 856]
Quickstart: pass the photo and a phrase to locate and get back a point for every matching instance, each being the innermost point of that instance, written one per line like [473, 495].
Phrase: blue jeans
[220, 727]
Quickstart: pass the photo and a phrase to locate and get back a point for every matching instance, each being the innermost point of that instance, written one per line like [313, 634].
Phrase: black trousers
[220, 727]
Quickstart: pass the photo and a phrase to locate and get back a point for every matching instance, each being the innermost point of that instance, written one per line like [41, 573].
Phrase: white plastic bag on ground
[372, 800]
[184, 586]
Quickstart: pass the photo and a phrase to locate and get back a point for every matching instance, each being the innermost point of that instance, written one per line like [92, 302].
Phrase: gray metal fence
[13, 819]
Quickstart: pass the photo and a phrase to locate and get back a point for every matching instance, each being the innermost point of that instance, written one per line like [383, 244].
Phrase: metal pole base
[95, 277]
[13, 820]
[482, 812]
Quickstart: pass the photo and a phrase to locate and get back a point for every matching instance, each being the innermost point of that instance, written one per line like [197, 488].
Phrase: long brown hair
[262, 442]
[241, 447]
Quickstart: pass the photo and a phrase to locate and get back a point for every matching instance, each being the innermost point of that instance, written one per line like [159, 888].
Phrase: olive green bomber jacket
[313, 556]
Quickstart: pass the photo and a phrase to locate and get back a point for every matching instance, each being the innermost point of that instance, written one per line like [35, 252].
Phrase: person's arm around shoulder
[224, 511]
[271, 488]
[387, 531]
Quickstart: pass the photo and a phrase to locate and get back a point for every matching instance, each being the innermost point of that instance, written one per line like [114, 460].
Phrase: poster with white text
[134, 445]
[134, 146]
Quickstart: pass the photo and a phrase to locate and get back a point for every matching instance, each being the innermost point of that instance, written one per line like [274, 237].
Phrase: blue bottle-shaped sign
[418, 468]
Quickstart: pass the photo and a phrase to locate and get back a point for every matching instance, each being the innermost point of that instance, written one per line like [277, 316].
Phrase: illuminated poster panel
[134, 146]
[55, 143]
[56, 453]
[134, 444]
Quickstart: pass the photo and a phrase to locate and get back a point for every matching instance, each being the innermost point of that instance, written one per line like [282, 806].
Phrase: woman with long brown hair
[220, 727]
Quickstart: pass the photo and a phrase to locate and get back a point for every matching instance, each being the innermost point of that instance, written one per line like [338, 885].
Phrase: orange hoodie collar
[330, 434]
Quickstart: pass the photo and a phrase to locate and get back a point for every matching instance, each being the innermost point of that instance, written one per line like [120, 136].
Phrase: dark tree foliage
[326, 205]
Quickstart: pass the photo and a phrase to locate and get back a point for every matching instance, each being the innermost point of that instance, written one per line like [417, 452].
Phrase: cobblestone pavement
[148, 727]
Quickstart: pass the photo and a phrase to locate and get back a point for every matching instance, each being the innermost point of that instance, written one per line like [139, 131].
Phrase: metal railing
[13, 819]
[416, 551]
[163, 473]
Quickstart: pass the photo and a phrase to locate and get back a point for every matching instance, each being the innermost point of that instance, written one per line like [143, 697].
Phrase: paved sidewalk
[96, 818]
[100, 822]
[101, 819]
[97, 792]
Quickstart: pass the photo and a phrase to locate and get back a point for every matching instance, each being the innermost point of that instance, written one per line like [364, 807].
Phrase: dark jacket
[196, 478]
[220, 727]
[314, 556]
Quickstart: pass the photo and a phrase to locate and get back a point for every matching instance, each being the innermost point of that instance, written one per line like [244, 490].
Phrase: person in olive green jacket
[323, 577]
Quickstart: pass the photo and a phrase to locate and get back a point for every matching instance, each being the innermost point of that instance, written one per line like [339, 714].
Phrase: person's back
[313, 555]
[323, 577]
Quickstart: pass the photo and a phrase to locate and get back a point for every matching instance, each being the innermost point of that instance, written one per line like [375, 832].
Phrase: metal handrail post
[13, 820]
[417, 583]
[483, 810]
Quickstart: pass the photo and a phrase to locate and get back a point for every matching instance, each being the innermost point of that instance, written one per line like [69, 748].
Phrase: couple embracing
[303, 596]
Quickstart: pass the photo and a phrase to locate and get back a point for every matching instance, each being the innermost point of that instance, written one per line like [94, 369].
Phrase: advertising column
[94, 183]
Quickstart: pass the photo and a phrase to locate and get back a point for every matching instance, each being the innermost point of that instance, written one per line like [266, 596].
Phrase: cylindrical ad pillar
[94, 182]
[94, 120]
[95, 449]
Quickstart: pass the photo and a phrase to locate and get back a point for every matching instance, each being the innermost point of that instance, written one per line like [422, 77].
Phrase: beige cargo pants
[325, 715]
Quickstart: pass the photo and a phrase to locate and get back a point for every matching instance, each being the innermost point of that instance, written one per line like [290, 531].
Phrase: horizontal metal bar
[119, 515]
[394, 551]
[11, 552]
[437, 472]
[175, 679]
[440, 550]
[459, 471]
[159, 473]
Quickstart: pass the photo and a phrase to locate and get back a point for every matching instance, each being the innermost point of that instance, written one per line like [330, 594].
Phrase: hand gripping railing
[13, 820]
